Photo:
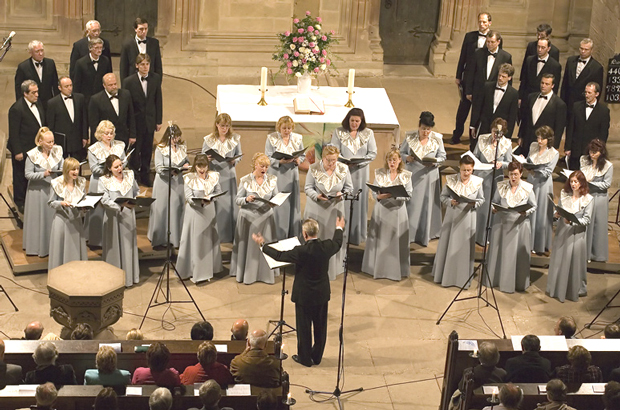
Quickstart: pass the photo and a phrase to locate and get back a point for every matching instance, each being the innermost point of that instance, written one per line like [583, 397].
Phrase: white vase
[303, 84]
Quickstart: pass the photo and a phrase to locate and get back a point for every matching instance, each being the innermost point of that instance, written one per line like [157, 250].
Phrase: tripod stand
[338, 391]
[173, 131]
[607, 306]
[482, 290]
[281, 323]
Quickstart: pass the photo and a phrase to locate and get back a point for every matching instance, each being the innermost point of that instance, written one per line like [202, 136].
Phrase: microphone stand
[340, 369]
[168, 265]
[6, 50]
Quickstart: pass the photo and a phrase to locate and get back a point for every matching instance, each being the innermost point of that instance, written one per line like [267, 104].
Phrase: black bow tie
[543, 96]
[114, 96]
[582, 61]
[589, 105]
[69, 97]
[500, 89]
[542, 61]
[38, 64]
[32, 105]
[95, 62]
[141, 41]
[481, 35]
[144, 78]
[493, 54]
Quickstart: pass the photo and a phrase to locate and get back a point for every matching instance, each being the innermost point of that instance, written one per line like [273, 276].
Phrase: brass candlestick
[262, 101]
[349, 103]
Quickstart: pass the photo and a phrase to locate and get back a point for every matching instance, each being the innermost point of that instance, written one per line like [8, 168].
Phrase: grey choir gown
[37, 215]
[598, 181]
[120, 245]
[97, 154]
[225, 206]
[325, 212]
[569, 259]
[158, 216]
[511, 239]
[362, 146]
[424, 207]
[541, 220]
[288, 214]
[68, 242]
[199, 253]
[386, 254]
[247, 262]
[454, 260]
[485, 151]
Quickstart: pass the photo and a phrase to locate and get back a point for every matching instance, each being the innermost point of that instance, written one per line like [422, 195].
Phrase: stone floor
[394, 349]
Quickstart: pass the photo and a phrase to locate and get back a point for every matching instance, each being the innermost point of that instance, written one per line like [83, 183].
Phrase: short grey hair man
[258, 339]
[33, 44]
[45, 354]
[210, 394]
[160, 399]
[46, 395]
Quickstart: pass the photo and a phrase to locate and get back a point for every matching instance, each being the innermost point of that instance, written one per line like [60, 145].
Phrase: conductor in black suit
[580, 70]
[590, 120]
[26, 116]
[311, 290]
[146, 95]
[499, 100]
[115, 105]
[90, 69]
[543, 32]
[39, 69]
[81, 47]
[543, 108]
[66, 114]
[140, 44]
[535, 67]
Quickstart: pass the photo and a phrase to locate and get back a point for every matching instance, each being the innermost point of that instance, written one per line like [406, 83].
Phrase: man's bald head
[240, 329]
[258, 339]
[110, 83]
[33, 331]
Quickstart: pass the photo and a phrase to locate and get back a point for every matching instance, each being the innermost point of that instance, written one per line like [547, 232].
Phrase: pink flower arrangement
[285, 56]
[310, 29]
[320, 20]
[287, 33]
[316, 69]
[324, 37]
[301, 31]
[296, 53]
[296, 21]
[308, 13]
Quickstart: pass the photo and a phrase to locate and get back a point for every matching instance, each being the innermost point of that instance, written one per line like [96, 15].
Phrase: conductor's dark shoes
[296, 358]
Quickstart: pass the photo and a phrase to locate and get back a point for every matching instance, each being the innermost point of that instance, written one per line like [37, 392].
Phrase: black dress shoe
[296, 359]
[455, 141]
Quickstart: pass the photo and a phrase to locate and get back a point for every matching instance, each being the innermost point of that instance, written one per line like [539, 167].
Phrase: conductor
[311, 289]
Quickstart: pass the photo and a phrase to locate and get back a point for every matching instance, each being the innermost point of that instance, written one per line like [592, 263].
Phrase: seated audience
[207, 368]
[254, 366]
[47, 370]
[202, 331]
[510, 397]
[45, 396]
[611, 396]
[579, 370]
[106, 373]
[135, 334]
[13, 373]
[556, 394]
[612, 331]
[566, 327]
[486, 372]
[210, 394]
[266, 400]
[158, 371]
[106, 400]
[239, 330]
[33, 331]
[530, 367]
[82, 331]
[160, 399]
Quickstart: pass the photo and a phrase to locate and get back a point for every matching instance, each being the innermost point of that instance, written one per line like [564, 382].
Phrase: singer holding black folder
[120, 245]
[511, 237]
[569, 258]
[386, 254]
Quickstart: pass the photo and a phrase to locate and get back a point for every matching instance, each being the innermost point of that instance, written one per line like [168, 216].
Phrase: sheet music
[468, 345]
[239, 390]
[478, 166]
[283, 245]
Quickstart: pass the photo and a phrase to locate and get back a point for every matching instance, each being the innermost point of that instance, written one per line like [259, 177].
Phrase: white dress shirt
[539, 105]
[114, 102]
[141, 46]
[69, 105]
[589, 109]
[38, 68]
[490, 62]
[580, 66]
[33, 108]
[541, 63]
[497, 97]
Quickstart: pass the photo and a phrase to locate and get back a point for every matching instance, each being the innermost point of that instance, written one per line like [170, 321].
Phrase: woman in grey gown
[543, 154]
[511, 238]
[569, 257]
[247, 262]
[599, 172]
[41, 163]
[67, 242]
[424, 207]
[485, 152]
[120, 246]
[284, 140]
[326, 181]
[199, 253]
[386, 255]
[227, 144]
[355, 140]
[97, 154]
[158, 216]
[454, 260]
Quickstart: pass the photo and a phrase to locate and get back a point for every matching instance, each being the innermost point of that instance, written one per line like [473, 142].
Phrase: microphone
[8, 40]
[500, 133]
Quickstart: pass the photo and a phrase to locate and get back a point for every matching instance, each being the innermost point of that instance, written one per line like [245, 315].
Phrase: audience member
[210, 394]
[254, 366]
[486, 372]
[45, 396]
[106, 399]
[611, 396]
[106, 373]
[33, 331]
[566, 327]
[82, 331]
[510, 397]
[202, 331]
[266, 400]
[47, 370]
[530, 367]
[239, 330]
[135, 334]
[158, 372]
[556, 394]
[612, 331]
[579, 370]
[207, 368]
[160, 399]
[13, 374]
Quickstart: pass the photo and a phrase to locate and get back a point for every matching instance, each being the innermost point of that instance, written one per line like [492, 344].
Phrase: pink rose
[316, 70]
[333, 32]
[322, 59]
[312, 44]
[294, 39]
[308, 13]
[289, 71]
[328, 62]
[304, 61]
[295, 21]
[289, 64]
[287, 33]
[320, 20]
[324, 52]
[300, 39]
[315, 51]
[324, 38]
[285, 56]
[300, 31]
[296, 53]
[310, 29]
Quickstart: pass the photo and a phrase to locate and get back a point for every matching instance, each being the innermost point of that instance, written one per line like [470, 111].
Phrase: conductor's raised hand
[340, 222]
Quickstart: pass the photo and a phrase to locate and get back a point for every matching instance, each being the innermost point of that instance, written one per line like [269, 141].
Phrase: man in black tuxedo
[26, 116]
[499, 100]
[543, 108]
[472, 41]
[535, 67]
[81, 47]
[39, 69]
[580, 70]
[530, 367]
[145, 89]
[66, 114]
[140, 44]
[90, 69]
[116, 106]
[311, 289]
[590, 120]
[543, 32]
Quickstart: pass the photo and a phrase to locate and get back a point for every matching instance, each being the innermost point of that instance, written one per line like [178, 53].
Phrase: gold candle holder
[262, 101]
[349, 103]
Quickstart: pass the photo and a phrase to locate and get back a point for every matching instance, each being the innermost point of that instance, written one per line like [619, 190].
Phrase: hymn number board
[612, 89]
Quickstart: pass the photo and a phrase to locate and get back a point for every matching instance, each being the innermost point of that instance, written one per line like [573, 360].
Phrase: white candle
[263, 79]
[351, 80]
[288, 398]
